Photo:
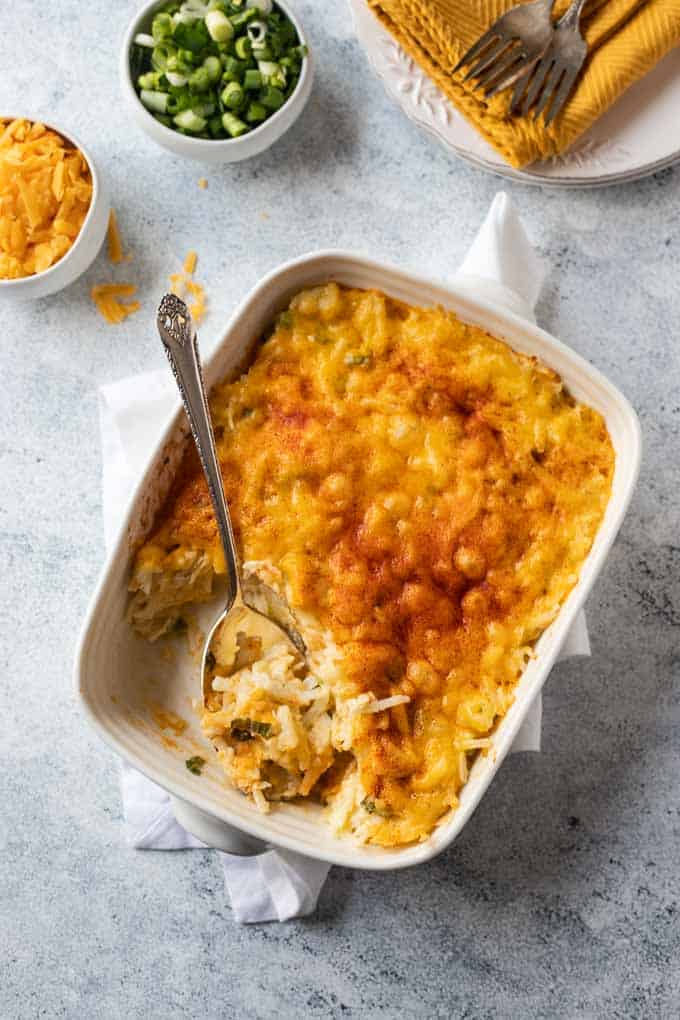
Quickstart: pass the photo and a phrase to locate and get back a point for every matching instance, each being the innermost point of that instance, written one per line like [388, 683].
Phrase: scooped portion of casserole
[424, 497]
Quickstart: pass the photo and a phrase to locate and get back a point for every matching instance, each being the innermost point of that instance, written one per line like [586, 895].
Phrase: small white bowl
[84, 249]
[217, 150]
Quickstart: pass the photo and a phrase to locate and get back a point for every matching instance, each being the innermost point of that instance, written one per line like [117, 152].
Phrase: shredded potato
[45, 194]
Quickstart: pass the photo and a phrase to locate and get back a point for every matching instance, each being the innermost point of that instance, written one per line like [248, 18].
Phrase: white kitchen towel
[277, 884]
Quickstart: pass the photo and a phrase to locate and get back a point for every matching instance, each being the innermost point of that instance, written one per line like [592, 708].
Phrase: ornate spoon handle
[179, 338]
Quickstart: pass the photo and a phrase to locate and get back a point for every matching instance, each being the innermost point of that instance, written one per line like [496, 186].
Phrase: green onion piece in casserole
[195, 764]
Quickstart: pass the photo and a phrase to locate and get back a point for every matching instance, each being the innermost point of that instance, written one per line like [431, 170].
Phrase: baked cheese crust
[427, 497]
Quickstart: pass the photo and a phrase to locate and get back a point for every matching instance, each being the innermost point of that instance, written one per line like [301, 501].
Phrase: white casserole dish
[118, 676]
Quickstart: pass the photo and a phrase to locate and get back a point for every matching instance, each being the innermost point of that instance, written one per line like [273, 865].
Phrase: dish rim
[446, 832]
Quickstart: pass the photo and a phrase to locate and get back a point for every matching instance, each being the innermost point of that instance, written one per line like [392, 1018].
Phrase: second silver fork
[511, 48]
[549, 83]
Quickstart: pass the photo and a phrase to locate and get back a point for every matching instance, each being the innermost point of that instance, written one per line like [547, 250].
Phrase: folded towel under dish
[625, 40]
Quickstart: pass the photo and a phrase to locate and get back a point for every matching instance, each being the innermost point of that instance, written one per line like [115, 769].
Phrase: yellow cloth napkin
[625, 40]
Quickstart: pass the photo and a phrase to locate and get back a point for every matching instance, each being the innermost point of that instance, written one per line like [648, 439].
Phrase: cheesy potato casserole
[424, 498]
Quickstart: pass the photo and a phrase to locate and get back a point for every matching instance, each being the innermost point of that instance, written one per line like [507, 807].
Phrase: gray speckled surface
[561, 897]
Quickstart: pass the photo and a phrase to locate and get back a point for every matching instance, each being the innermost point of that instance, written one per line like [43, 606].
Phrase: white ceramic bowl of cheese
[84, 249]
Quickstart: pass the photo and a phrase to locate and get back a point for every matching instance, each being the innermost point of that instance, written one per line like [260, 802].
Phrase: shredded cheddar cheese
[182, 282]
[45, 195]
[115, 244]
[105, 297]
[202, 183]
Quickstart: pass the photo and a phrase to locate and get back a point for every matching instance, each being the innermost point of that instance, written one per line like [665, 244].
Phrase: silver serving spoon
[246, 629]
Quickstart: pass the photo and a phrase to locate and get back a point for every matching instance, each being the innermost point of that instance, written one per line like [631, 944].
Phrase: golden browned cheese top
[429, 495]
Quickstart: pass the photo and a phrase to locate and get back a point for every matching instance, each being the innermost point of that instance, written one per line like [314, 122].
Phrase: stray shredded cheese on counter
[202, 183]
[182, 282]
[45, 195]
[105, 296]
[114, 242]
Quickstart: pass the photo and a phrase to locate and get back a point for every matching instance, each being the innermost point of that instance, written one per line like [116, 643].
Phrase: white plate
[117, 674]
[639, 135]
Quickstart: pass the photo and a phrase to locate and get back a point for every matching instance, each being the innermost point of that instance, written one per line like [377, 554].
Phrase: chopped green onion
[203, 109]
[191, 34]
[139, 57]
[195, 764]
[262, 52]
[262, 728]
[252, 80]
[234, 69]
[244, 729]
[160, 56]
[264, 6]
[178, 62]
[213, 68]
[232, 95]
[272, 98]
[147, 41]
[267, 68]
[244, 17]
[233, 126]
[161, 27]
[190, 121]
[215, 125]
[219, 26]
[149, 81]
[199, 80]
[256, 113]
[257, 33]
[157, 102]
[243, 48]
[372, 808]
[273, 73]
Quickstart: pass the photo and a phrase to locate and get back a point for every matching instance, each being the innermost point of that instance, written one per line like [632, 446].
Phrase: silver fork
[511, 48]
[549, 83]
